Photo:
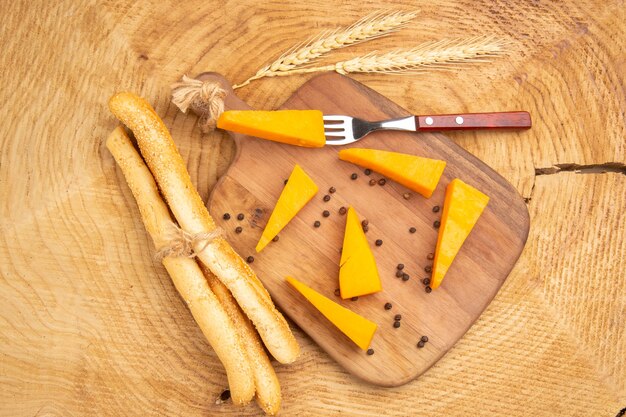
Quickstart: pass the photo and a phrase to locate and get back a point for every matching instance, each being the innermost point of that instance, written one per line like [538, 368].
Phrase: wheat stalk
[441, 55]
[370, 27]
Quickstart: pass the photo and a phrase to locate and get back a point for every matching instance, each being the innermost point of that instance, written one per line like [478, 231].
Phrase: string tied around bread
[181, 243]
[206, 98]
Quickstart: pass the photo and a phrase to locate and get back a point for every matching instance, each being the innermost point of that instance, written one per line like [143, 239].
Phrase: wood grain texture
[90, 324]
[254, 181]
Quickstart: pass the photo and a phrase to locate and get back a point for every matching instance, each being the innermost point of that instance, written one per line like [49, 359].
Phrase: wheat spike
[370, 27]
[437, 55]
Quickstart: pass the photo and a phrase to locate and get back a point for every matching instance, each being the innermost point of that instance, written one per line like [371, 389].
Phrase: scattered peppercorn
[400, 267]
[372, 182]
[285, 182]
[365, 229]
[332, 190]
[258, 211]
[225, 395]
[399, 274]
[317, 223]
[337, 292]
[396, 324]
[412, 230]
[405, 277]
[342, 210]
[382, 181]
[250, 259]
[388, 306]
[436, 224]
[226, 216]
[420, 344]
[326, 198]
[354, 176]
[354, 298]
[238, 229]
[436, 209]
[430, 256]
[367, 171]
[426, 281]
[428, 269]
[406, 196]
[240, 216]
[379, 242]
[428, 289]
[370, 352]
[424, 339]
[326, 213]
[365, 222]
[397, 317]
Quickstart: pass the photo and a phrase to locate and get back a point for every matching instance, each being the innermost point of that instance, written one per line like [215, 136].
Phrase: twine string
[205, 98]
[181, 243]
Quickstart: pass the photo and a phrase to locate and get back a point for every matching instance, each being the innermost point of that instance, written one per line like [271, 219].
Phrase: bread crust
[188, 278]
[170, 172]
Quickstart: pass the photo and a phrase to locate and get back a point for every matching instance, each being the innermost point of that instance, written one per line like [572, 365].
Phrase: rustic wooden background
[90, 324]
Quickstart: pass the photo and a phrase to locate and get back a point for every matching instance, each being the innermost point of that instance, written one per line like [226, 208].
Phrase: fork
[343, 130]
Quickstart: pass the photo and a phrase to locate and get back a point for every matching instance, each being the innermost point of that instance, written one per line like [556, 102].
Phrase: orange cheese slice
[462, 207]
[295, 127]
[359, 329]
[298, 191]
[358, 274]
[414, 172]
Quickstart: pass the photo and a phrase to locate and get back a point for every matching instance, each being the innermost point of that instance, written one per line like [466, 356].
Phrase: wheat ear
[438, 55]
[370, 27]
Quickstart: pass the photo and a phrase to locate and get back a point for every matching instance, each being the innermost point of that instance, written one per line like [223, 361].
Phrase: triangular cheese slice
[298, 191]
[415, 173]
[359, 329]
[358, 274]
[296, 127]
[462, 207]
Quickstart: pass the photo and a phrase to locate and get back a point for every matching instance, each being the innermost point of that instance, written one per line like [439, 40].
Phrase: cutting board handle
[231, 101]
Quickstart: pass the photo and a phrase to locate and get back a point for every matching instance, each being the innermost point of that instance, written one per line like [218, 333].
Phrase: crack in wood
[615, 167]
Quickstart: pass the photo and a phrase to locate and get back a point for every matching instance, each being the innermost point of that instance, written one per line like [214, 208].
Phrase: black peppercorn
[420, 344]
[317, 223]
[388, 306]
[326, 198]
[365, 222]
[396, 324]
[398, 317]
[285, 182]
[326, 213]
[405, 277]
[342, 210]
[424, 339]
[412, 230]
[354, 176]
[436, 224]
[365, 229]
[354, 298]
[367, 171]
[275, 238]
[399, 274]
[426, 281]
[240, 216]
[226, 216]
[238, 229]
[332, 190]
[406, 196]
[370, 352]
[337, 292]
[372, 182]
[430, 256]
[428, 289]
[428, 269]
[379, 242]
[250, 259]
[382, 181]
[436, 209]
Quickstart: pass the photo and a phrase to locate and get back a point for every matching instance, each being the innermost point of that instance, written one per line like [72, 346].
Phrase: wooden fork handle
[500, 120]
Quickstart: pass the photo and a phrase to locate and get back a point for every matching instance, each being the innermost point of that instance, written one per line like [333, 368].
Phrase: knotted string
[181, 243]
[205, 98]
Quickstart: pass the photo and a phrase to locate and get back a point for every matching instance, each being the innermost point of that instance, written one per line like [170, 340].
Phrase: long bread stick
[170, 173]
[189, 280]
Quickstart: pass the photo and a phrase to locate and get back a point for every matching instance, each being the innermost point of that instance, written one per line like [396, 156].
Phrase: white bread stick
[170, 173]
[189, 280]
[265, 380]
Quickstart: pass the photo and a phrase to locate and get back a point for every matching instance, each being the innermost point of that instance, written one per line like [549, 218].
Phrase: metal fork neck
[405, 123]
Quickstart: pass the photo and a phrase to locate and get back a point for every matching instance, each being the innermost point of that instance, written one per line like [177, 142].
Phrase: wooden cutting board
[254, 181]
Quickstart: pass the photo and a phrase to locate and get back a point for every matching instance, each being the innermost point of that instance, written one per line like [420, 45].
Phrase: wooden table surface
[90, 324]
